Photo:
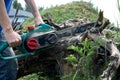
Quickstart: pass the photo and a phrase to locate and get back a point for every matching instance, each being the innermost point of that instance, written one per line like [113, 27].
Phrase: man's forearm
[4, 19]
[34, 10]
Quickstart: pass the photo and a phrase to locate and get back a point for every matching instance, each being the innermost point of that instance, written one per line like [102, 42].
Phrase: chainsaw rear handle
[5, 45]
[16, 56]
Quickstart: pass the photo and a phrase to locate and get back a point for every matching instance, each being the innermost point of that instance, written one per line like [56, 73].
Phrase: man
[8, 68]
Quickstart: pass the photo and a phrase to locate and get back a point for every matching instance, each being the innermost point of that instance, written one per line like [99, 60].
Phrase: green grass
[29, 77]
[33, 76]
[68, 11]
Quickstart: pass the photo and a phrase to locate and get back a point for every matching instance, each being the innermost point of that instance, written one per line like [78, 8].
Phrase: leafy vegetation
[34, 77]
[84, 66]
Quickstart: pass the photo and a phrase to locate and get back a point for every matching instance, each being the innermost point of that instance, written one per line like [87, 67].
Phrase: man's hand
[38, 21]
[37, 17]
[13, 38]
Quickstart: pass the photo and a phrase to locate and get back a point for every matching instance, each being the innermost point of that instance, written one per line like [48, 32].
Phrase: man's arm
[11, 36]
[35, 12]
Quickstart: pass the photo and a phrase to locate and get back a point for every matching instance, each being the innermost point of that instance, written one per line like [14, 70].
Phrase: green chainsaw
[42, 37]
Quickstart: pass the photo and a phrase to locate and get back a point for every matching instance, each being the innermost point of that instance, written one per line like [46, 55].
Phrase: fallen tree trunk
[109, 45]
[51, 61]
[113, 65]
